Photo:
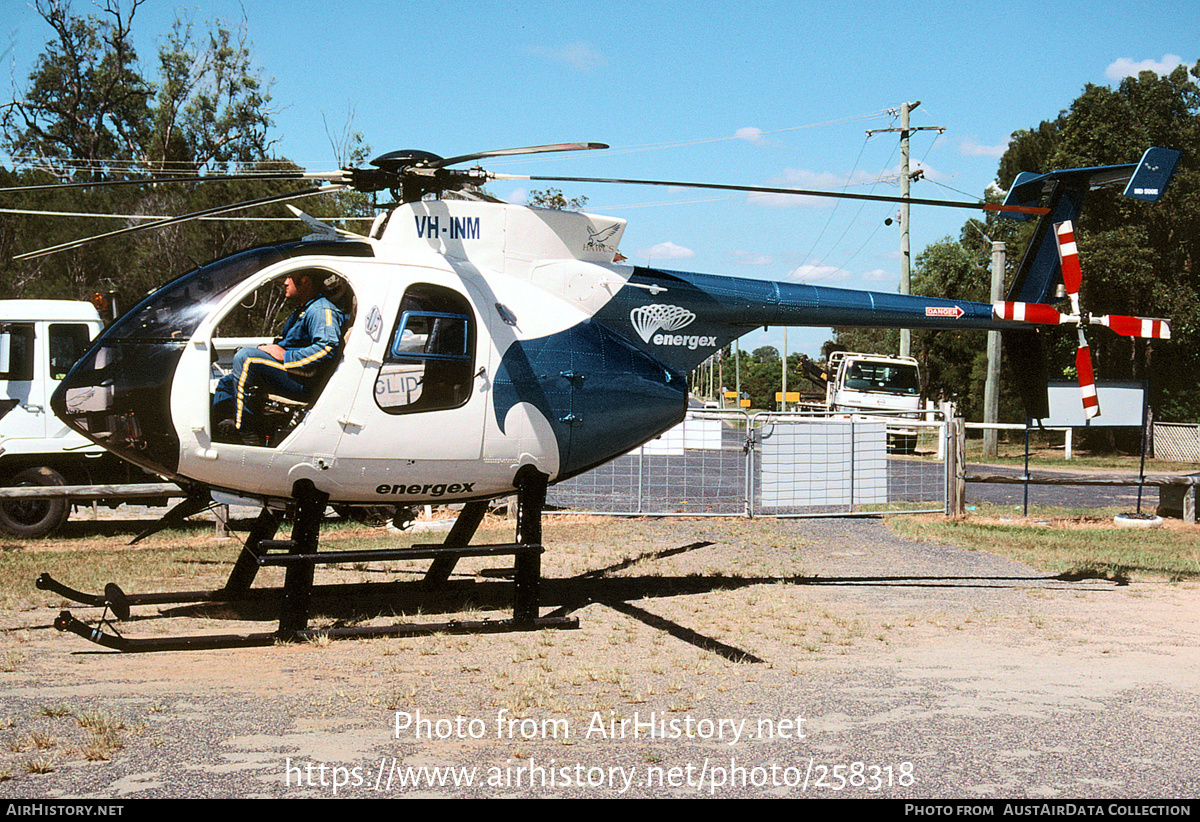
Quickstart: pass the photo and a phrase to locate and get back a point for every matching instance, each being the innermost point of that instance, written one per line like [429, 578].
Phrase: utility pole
[905, 251]
[991, 387]
[905, 181]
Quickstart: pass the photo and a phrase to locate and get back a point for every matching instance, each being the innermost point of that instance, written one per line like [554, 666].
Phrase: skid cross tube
[299, 555]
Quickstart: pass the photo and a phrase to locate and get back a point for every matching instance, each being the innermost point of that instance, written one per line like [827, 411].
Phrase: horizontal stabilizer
[1145, 180]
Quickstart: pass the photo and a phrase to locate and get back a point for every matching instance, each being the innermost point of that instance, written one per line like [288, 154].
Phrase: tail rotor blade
[1147, 327]
[1028, 313]
[1087, 378]
[1068, 253]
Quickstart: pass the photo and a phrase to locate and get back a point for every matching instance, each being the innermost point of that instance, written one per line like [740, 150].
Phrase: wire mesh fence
[1179, 442]
[726, 463]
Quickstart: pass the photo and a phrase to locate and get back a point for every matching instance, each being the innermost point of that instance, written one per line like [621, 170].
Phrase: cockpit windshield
[174, 311]
[119, 393]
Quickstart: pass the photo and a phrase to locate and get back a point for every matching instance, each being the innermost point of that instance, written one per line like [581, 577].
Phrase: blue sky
[774, 93]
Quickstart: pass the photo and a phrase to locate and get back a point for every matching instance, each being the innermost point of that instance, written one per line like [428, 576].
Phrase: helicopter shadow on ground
[347, 605]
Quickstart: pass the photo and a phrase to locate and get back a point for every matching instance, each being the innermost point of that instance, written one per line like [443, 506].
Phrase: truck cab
[39, 342]
[877, 383]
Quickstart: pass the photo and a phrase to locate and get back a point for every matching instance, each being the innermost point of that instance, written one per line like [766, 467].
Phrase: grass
[1083, 543]
[56, 735]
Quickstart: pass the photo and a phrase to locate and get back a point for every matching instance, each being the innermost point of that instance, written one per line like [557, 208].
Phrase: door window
[430, 358]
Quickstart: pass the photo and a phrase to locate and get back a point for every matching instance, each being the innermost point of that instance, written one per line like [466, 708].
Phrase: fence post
[960, 467]
[956, 458]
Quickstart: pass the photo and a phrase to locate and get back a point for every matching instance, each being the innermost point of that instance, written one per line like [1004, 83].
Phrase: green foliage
[86, 101]
[554, 198]
[92, 112]
[762, 375]
[1137, 258]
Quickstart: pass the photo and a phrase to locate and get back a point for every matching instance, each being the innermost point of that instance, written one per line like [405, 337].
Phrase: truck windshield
[887, 378]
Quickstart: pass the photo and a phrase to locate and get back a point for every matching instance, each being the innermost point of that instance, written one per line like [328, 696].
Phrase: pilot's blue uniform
[311, 339]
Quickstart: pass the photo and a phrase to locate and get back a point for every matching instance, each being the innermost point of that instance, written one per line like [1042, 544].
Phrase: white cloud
[1125, 67]
[817, 273]
[970, 148]
[518, 196]
[751, 258]
[580, 56]
[666, 251]
[750, 134]
[880, 275]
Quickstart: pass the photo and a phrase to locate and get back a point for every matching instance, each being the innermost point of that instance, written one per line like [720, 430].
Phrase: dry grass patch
[1068, 542]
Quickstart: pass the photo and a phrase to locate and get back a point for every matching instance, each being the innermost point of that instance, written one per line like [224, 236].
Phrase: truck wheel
[34, 517]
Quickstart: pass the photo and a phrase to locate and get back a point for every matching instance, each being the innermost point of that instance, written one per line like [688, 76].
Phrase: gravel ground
[732, 658]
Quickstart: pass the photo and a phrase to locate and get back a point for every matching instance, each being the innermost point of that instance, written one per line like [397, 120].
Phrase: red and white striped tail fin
[1028, 313]
[1087, 378]
[1147, 327]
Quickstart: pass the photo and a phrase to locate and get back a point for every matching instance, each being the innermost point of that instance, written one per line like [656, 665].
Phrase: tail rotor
[1042, 314]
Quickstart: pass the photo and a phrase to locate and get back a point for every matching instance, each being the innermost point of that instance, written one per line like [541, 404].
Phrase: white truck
[877, 383]
[39, 342]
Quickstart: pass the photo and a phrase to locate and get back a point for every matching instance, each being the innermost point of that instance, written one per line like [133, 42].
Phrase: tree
[212, 106]
[1137, 258]
[90, 106]
[93, 112]
[554, 198]
[87, 103]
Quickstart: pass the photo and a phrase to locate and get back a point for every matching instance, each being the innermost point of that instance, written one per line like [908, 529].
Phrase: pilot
[292, 366]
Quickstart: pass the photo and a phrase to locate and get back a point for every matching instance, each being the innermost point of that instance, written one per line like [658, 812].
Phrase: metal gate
[727, 463]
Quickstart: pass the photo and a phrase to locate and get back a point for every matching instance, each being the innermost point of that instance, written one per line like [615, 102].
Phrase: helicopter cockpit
[119, 393]
[255, 320]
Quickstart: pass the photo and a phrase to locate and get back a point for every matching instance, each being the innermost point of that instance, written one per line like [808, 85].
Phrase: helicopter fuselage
[483, 338]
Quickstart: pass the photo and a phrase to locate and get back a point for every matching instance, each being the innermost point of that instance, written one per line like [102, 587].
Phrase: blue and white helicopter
[490, 349]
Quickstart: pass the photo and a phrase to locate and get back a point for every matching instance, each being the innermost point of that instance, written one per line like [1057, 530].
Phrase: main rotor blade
[166, 221]
[271, 175]
[505, 152]
[1011, 209]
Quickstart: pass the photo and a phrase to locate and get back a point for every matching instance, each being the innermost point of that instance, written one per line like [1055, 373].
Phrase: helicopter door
[23, 406]
[428, 374]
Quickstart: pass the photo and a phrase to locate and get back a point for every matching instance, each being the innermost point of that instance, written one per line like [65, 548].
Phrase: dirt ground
[730, 658]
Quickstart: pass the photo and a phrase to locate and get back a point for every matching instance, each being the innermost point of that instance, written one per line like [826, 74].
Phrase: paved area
[731, 658]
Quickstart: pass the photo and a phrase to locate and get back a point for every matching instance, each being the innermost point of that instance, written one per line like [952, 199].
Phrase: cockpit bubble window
[119, 393]
[430, 357]
[174, 311]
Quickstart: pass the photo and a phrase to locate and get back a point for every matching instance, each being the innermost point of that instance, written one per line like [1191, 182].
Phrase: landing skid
[299, 556]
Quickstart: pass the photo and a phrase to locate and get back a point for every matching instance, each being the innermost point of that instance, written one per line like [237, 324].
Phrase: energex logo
[649, 321]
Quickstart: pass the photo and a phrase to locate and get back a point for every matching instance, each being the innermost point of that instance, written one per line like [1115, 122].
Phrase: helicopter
[489, 349]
